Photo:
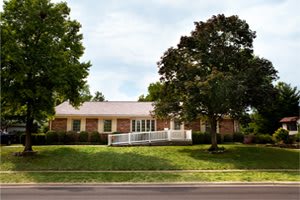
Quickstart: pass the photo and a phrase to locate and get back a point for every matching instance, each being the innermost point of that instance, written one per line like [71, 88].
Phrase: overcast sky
[125, 38]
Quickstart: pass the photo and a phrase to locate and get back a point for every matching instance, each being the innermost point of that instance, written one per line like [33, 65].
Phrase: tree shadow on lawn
[247, 157]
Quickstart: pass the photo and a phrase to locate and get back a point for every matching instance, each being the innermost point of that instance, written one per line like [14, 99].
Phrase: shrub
[83, 136]
[95, 137]
[263, 139]
[71, 137]
[36, 139]
[297, 137]
[281, 136]
[228, 138]
[199, 137]
[238, 137]
[51, 137]
[249, 139]
[39, 139]
[61, 137]
[103, 139]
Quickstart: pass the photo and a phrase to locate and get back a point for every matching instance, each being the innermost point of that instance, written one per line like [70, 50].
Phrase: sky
[124, 39]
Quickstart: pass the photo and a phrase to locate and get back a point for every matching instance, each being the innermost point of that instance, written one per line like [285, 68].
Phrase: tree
[40, 51]
[213, 73]
[154, 90]
[99, 96]
[285, 103]
[85, 93]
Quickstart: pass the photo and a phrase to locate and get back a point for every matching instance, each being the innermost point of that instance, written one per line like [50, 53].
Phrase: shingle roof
[106, 108]
[289, 119]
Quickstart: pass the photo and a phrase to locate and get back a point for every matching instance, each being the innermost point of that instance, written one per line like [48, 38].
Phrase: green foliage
[214, 72]
[95, 137]
[85, 94]
[199, 137]
[40, 58]
[52, 137]
[263, 139]
[83, 136]
[281, 136]
[238, 137]
[71, 137]
[154, 91]
[99, 96]
[228, 138]
[284, 103]
[37, 139]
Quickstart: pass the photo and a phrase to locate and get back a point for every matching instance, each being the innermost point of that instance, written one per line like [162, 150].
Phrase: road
[145, 192]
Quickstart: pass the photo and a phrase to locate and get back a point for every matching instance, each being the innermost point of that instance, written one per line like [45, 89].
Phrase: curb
[155, 184]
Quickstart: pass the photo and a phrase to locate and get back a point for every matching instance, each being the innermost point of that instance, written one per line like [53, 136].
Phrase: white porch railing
[148, 137]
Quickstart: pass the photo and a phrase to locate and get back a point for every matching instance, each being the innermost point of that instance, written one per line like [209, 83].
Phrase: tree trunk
[213, 132]
[29, 125]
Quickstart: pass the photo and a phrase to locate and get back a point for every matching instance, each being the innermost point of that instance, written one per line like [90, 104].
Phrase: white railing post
[169, 135]
[149, 134]
[109, 140]
[188, 134]
[129, 138]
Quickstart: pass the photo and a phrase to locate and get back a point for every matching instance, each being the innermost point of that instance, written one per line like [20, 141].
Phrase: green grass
[149, 158]
[148, 177]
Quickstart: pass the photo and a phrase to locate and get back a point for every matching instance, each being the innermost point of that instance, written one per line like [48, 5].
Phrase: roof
[289, 119]
[106, 108]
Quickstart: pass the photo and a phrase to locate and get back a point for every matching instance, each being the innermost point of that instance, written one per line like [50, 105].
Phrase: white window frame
[72, 128]
[140, 124]
[111, 125]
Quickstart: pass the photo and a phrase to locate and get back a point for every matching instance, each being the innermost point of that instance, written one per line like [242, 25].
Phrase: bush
[83, 136]
[95, 137]
[263, 139]
[203, 138]
[249, 139]
[297, 137]
[52, 137]
[238, 137]
[281, 136]
[61, 137]
[71, 137]
[36, 139]
[104, 139]
[228, 138]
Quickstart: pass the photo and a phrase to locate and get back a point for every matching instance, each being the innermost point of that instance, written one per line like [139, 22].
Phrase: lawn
[148, 158]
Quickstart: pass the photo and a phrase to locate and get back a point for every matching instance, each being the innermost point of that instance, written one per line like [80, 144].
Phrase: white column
[82, 124]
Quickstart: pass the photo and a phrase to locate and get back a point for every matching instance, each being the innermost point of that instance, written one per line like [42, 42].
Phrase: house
[291, 124]
[124, 117]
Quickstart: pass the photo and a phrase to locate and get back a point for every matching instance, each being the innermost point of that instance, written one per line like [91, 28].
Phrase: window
[107, 125]
[291, 126]
[142, 125]
[76, 125]
[177, 125]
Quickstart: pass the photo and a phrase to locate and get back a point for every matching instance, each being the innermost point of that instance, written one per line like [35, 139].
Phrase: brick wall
[59, 124]
[195, 125]
[226, 126]
[91, 125]
[123, 125]
[161, 124]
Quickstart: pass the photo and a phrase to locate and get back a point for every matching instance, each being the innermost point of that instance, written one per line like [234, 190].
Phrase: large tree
[213, 73]
[285, 103]
[40, 51]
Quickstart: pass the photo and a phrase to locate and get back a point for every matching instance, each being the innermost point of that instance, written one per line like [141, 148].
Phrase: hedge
[36, 139]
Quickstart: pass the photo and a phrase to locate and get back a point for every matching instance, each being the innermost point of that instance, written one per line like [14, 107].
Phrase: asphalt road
[156, 192]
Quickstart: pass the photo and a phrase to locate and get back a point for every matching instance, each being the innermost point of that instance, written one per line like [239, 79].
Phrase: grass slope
[149, 158]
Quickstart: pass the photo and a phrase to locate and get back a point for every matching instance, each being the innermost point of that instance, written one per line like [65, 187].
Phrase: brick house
[124, 116]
